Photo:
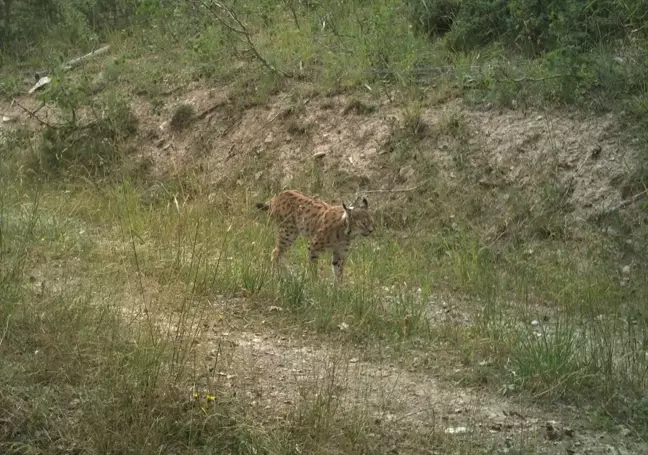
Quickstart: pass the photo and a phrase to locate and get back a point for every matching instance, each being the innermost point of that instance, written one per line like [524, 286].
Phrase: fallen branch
[527, 78]
[533, 79]
[241, 29]
[43, 79]
[211, 109]
[76, 61]
[629, 201]
[42, 82]
[396, 190]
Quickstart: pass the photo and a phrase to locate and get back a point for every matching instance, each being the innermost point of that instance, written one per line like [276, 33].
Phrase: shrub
[530, 26]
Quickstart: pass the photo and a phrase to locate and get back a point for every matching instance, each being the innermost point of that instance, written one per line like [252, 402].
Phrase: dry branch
[394, 190]
[240, 29]
[211, 109]
[291, 7]
[630, 200]
[32, 114]
[76, 61]
[43, 79]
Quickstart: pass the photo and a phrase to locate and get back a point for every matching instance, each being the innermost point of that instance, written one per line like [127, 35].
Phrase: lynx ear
[346, 218]
[361, 201]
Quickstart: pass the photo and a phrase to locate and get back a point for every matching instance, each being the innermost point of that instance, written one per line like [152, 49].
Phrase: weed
[182, 116]
[297, 128]
[454, 124]
[358, 107]
[413, 124]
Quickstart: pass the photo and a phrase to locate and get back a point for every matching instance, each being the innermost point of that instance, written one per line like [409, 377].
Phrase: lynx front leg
[339, 258]
[314, 251]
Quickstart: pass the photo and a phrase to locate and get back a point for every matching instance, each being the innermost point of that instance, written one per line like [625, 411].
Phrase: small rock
[611, 232]
[258, 175]
[406, 172]
[486, 183]
[595, 151]
[625, 432]
[496, 427]
[275, 308]
[553, 434]
[625, 270]
[354, 360]
[343, 326]
[456, 430]
[319, 155]
[534, 323]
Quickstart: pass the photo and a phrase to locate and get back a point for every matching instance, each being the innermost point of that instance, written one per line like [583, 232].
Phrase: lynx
[328, 227]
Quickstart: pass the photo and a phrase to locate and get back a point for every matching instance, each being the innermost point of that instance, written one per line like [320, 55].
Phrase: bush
[530, 26]
[434, 18]
[92, 148]
[29, 24]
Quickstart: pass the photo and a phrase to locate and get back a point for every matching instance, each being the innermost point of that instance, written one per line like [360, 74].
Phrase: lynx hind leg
[285, 238]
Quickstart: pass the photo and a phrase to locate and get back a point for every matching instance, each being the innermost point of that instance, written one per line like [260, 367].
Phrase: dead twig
[32, 114]
[534, 79]
[290, 5]
[240, 29]
[4, 333]
[629, 201]
[394, 190]
[211, 109]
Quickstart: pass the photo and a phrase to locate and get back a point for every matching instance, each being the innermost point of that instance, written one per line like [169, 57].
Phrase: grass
[169, 262]
[90, 354]
[120, 284]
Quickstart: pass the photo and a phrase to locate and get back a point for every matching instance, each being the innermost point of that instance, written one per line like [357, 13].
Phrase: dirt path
[283, 375]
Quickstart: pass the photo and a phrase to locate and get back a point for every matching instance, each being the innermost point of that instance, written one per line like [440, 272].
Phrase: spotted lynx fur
[328, 227]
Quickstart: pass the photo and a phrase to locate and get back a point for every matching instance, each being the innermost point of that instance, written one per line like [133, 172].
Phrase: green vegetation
[122, 276]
